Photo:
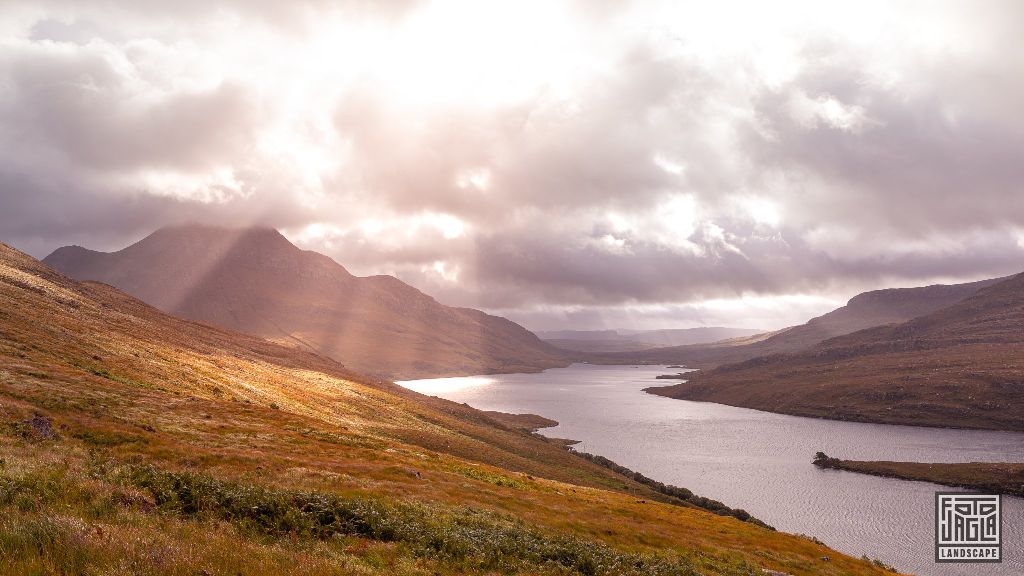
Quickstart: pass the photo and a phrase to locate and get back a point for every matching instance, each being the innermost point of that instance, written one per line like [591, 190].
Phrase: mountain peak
[215, 235]
[201, 228]
[254, 280]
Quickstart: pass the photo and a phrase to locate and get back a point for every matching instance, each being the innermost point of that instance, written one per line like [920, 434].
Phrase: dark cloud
[88, 107]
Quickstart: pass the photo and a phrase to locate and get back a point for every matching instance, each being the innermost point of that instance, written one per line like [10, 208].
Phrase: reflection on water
[757, 460]
[441, 386]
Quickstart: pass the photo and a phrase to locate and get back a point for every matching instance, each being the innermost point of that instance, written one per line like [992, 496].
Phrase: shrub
[823, 460]
[472, 537]
[107, 438]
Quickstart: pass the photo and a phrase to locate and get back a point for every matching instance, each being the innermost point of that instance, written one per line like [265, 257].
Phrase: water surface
[759, 461]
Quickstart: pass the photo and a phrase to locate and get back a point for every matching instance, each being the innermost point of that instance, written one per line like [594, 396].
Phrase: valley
[478, 288]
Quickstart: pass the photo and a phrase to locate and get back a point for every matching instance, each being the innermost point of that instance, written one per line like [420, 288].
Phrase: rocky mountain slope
[254, 280]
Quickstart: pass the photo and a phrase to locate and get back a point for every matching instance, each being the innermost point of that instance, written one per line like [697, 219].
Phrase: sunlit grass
[95, 388]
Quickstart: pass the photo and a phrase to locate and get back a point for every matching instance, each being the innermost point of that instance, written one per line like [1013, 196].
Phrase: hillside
[131, 438]
[632, 340]
[254, 280]
[866, 310]
[961, 366]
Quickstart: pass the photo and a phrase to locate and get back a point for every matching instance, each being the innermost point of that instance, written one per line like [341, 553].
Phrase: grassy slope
[126, 386]
[993, 477]
[961, 366]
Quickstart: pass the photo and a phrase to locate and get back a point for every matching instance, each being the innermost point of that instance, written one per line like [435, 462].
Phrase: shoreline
[855, 419]
[990, 477]
[638, 382]
[531, 424]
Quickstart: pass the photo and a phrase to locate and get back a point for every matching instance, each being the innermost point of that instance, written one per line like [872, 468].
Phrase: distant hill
[866, 310]
[254, 280]
[579, 335]
[960, 366]
[630, 340]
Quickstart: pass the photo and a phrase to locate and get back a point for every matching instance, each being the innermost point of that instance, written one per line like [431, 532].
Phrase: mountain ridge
[256, 281]
[865, 310]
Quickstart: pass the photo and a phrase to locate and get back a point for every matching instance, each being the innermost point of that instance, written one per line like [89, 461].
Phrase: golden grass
[126, 384]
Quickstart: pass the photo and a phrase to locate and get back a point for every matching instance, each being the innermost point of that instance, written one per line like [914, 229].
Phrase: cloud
[91, 108]
[559, 162]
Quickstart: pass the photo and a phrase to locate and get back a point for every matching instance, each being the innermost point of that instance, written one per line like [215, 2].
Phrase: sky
[592, 164]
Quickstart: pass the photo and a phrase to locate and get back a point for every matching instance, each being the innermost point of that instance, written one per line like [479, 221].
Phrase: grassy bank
[676, 494]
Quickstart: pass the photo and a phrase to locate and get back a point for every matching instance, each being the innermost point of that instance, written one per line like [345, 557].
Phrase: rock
[40, 427]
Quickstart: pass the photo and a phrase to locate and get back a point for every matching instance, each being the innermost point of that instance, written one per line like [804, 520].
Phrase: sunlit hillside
[134, 442]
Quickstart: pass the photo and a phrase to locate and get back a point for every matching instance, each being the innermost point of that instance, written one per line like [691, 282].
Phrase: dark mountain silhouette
[254, 280]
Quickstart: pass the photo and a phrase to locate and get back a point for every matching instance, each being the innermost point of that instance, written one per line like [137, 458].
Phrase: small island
[678, 376]
[993, 477]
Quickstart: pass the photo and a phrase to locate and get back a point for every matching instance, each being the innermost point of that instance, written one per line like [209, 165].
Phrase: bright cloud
[636, 161]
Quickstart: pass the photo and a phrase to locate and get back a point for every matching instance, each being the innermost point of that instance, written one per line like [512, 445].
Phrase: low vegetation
[467, 538]
[132, 442]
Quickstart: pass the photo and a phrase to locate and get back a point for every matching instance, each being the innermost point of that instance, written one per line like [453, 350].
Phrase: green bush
[468, 536]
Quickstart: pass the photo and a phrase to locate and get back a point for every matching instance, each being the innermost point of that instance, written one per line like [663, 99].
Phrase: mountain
[630, 340]
[960, 366]
[132, 438]
[254, 280]
[865, 310]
